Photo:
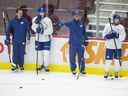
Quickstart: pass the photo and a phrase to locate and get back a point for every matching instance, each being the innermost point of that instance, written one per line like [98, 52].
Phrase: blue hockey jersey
[19, 30]
[77, 32]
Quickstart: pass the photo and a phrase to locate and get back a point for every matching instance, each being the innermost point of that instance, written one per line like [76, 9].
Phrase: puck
[42, 79]
[20, 87]
[112, 78]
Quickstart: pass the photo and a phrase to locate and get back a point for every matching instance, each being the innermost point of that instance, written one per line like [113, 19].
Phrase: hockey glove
[40, 30]
[36, 45]
[38, 19]
[115, 34]
[112, 36]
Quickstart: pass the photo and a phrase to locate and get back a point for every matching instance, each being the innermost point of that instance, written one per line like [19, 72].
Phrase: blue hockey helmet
[41, 10]
[116, 17]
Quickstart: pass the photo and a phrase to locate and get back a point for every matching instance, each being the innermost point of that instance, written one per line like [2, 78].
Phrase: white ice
[59, 84]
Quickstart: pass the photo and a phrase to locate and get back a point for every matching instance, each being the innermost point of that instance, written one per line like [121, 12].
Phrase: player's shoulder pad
[121, 26]
[47, 19]
[33, 19]
[107, 25]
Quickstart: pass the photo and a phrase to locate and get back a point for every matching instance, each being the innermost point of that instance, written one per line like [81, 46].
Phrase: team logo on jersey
[81, 26]
[108, 56]
[23, 43]
[21, 22]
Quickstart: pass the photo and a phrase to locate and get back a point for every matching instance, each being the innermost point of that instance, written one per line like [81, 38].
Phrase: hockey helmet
[41, 10]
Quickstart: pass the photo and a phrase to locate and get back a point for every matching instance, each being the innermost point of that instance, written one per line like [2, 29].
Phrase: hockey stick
[78, 76]
[38, 37]
[37, 55]
[114, 38]
[5, 18]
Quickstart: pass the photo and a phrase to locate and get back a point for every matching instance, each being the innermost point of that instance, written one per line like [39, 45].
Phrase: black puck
[20, 87]
[42, 79]
[112, 78]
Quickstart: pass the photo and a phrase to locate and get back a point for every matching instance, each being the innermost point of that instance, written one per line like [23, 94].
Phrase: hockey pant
[112, 55]
[43, 49]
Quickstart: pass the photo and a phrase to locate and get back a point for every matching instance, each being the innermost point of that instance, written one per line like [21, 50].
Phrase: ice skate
[106, 75]
[14, 68]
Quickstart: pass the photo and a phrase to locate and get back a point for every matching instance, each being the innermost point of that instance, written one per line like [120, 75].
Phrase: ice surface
[59, 84]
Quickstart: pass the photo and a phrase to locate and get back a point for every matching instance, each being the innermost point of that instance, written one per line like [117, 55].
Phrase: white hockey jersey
[48, 29]
[109, 43]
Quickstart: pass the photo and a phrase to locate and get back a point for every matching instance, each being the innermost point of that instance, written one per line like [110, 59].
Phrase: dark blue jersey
[77, 32]
[18, 28]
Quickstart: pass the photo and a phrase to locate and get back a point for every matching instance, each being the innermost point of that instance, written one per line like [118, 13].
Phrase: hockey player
[18, 28]
[117, 32]
[77, 42]
[43, 27]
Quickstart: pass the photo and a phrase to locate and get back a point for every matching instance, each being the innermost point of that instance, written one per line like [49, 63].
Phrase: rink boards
[59, 62]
